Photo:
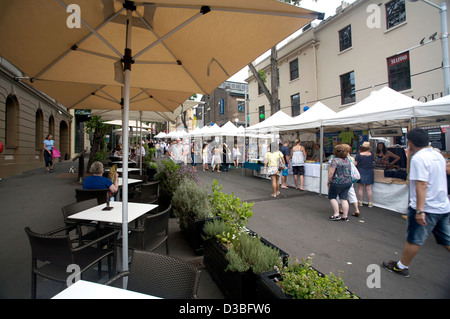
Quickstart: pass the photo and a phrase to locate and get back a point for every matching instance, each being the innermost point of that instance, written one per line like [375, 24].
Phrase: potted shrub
[231, 209]
[301, 281]
[152, 169]
[170, 175]
[191, 205]
[234, 256]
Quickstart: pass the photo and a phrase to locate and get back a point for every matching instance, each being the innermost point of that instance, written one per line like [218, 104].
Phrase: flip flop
[356, 214]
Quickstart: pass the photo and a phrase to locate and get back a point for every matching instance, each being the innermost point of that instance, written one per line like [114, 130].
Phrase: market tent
[312, 118]
[381, 108]
[161, 135]
[272, 123]
[435, 112]
[229, 129]
[213, 130]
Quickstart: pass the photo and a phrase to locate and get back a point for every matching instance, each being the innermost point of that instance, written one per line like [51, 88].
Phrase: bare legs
[335, 206]
[275, 185]
[368, 188]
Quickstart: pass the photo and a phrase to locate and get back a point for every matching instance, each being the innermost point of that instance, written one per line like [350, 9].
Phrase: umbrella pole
[126, 117]
[321, 160]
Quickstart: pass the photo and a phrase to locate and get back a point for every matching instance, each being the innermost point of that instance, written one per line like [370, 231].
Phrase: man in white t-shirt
[176, 152]
[429, 208]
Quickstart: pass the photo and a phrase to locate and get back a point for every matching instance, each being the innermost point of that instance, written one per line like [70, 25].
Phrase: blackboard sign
[437, 138]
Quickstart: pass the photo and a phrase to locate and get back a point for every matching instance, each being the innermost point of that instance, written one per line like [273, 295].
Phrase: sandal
[273, 195]
[334, 218]
[356, 214]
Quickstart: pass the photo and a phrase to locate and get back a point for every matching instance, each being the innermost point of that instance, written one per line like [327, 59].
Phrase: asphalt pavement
[297, 222]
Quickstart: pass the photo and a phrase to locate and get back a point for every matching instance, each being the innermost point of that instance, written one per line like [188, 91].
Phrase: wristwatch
[419, 212]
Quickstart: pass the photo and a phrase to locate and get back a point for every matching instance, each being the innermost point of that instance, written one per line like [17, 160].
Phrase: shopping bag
[56, 153]
[355, 173]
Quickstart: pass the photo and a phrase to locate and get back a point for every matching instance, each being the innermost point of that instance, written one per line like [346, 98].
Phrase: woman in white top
[298, 155]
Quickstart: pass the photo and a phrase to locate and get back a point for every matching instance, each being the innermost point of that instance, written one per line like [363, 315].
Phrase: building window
[345, 38]
[260, 90]
[12, 109]
[295, 104]
[51, 125]
[399, 72]
[261, 113]
[348, 94]
[39, 130]
[293, 69]
[395, 13]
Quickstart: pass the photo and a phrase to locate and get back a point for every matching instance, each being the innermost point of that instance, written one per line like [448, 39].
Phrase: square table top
[90, 290]
[130, 181]
[114, 215]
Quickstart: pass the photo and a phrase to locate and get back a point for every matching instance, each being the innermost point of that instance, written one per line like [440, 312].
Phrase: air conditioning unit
[387, 131]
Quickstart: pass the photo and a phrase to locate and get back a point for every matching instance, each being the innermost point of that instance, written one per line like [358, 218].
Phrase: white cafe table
[89, 290]
[114, 215]
[130, 181]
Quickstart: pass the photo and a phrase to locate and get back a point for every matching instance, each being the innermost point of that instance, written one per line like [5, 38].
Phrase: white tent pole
[321, 159]
[126, 117]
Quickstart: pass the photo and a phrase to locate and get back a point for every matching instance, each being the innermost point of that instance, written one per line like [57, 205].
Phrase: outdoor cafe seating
[160, 275]
[85, 194]
[54, 251]
[152, 234]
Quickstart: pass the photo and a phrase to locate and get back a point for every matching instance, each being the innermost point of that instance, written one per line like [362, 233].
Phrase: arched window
[51, 125]
[39, 129]
[12, 127]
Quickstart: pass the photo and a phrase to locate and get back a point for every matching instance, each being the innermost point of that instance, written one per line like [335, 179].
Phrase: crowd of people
[429, 209]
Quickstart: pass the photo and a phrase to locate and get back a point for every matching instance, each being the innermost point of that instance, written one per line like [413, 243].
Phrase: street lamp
[444, 38]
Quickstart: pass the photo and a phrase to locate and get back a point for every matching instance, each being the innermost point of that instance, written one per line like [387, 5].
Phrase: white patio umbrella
[73, 49]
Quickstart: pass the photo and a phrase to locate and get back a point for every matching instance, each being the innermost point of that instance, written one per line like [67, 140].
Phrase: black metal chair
[161, 276]
[152, 234]
[149, 193]
[74, 208]
[85, 194]
[52, 253]
[135, 189]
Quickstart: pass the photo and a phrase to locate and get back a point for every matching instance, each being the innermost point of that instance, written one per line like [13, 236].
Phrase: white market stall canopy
[384, 107]
[273, 122]
[312, 118]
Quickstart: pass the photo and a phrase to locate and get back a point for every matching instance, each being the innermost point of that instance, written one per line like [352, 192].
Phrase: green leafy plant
[249, 252]
[301, 281]
[218, 229]
[170, 175]
[230, 208]
[190, 199]
[245, 251]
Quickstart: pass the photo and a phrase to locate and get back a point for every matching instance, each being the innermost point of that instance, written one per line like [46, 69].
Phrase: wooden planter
[234, 285]
[192, 230]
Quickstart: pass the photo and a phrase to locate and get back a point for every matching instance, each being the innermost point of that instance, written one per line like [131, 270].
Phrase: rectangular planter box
[192, 231]
[234, 285]
[267, 287]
